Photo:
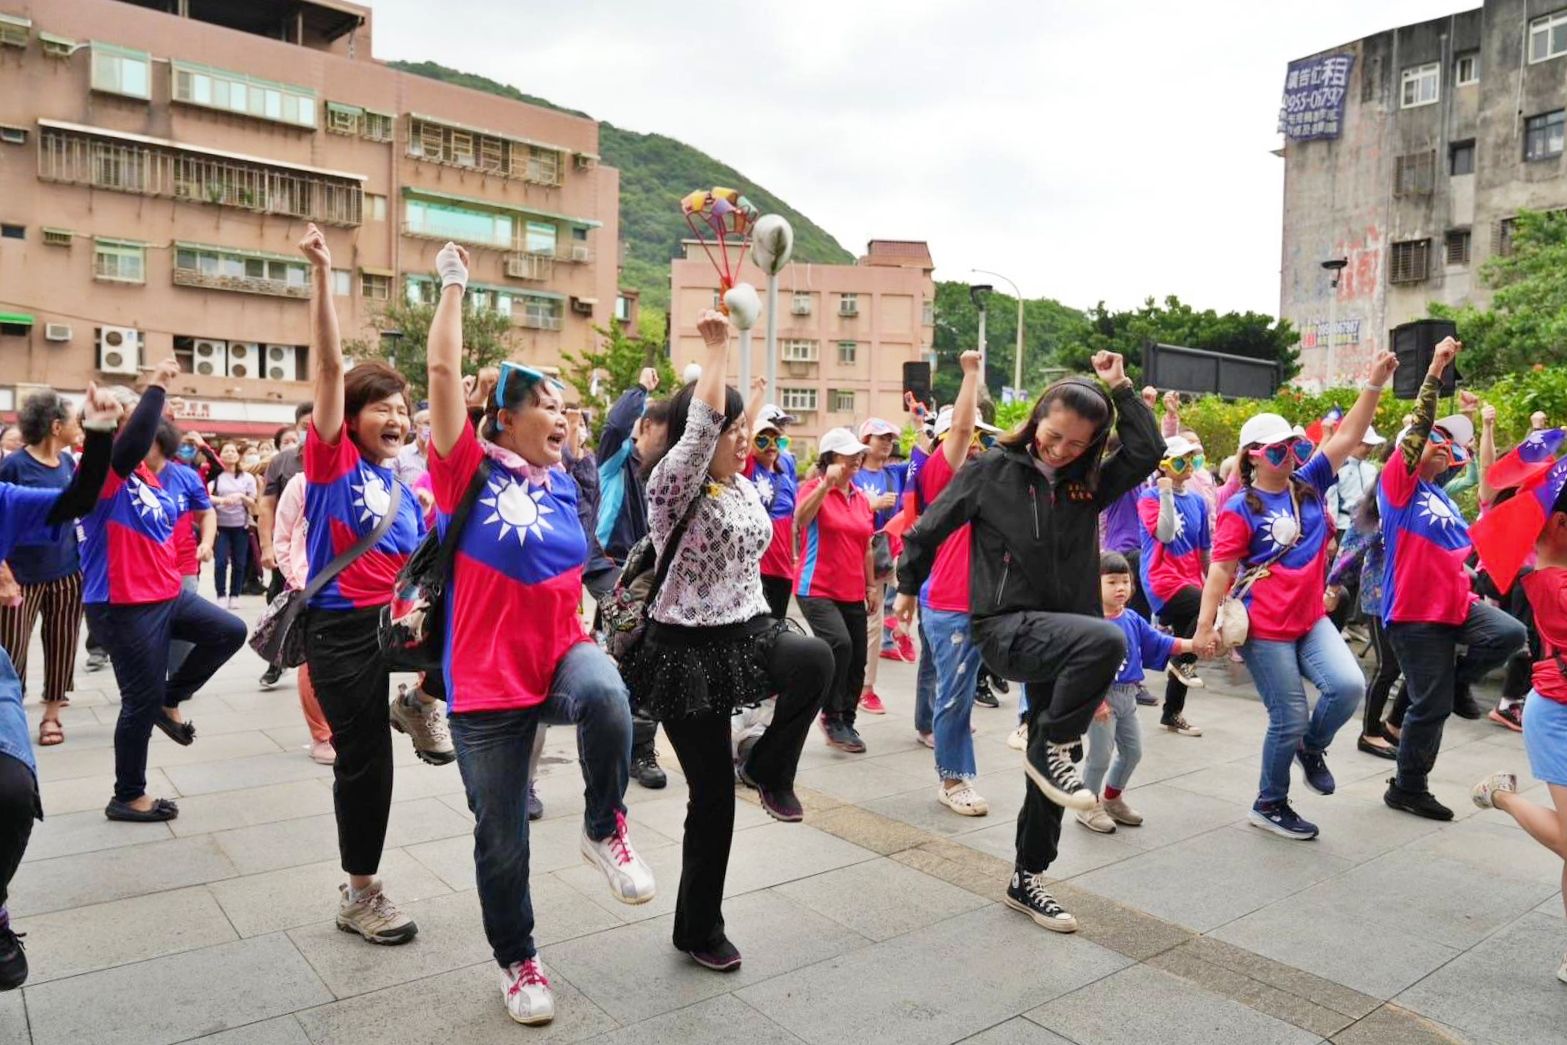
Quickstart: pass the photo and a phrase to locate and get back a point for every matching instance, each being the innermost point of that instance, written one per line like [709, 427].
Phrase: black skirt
[677, 672]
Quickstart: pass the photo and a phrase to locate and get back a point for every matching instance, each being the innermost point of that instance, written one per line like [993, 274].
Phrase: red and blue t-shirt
[345, 498]
[889, 478]
[833, 546]
[128, 546]
[1167, 567]
[1427, 541]
[946, 589]
[511, 610]
[190, 497]
[1145, 647]
[1547, 591]
[1286, 603]
[777, 491]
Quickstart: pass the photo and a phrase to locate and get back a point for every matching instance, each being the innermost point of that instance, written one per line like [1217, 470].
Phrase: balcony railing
[184, 277]
[535, 321]
[530, 266]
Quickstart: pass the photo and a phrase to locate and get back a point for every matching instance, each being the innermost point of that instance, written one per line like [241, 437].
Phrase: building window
[119, 261]
[847, 353]
[842, 401]
[251, 272]
[1548, 36]
[1410, 261]
[848, 304]
[342, 283]
[463, 224]
[466, 147]
[375, 286]
[927, 313]
[801, 303]
[540, 238]
[1461, 158]
[377, 126]
[622, 308]
[1457, 246]
[797, 350]
[1415, 174]
[375, 207]
[13, 135]
[13, 231]
[57, 237]
[14, 30]
[541, 313]
[1422, 84]
[802, 399]
[1502, 236]
[15, 329]
[1542, 136]
[248, 95]
[119, 70]
[1466, 69]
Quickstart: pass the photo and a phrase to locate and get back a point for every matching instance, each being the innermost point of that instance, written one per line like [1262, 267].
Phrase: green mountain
[655, 172]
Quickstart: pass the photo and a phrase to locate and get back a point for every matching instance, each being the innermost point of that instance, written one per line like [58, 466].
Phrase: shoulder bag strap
[481, 475]
[672, 546]
[362, 545]
[1260, 570]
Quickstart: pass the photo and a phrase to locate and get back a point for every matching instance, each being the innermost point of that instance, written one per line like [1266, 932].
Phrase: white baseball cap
[944, 423]
[1371, 438]
[771, 416]
[876, 426]
[840, 441]
[1265, 430]
[1178, 446]
[1459, 427]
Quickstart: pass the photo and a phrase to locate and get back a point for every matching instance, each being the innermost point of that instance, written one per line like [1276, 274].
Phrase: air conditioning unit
[581, 252]
[282, 363]
[584, 161]
[244, 359]
[210, 358]
[57, 332]
[800, 308]
[119, 350]
[583, 306]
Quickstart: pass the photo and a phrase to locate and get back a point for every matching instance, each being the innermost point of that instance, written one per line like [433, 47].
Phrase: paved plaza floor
[877, 920]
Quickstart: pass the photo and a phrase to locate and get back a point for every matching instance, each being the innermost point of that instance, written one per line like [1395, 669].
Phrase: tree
[1253, 335]
[487, 340]
[1527, 321]
[617, 361]
[1048, 326]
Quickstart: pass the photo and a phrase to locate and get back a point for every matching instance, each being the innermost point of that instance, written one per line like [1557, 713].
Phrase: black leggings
[801, 670]
[842, 626]
[777, 591]
[18, 808]
[1388, 671]
[1180, 616]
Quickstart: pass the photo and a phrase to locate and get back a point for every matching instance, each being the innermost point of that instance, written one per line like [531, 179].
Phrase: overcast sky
[1085, 150]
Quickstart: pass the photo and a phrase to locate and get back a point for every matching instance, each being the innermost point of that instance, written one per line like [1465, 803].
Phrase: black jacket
[1035, 543]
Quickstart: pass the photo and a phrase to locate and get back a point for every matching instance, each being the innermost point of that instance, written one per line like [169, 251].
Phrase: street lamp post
[979, 293]
[1017, 358]
[1334, 266]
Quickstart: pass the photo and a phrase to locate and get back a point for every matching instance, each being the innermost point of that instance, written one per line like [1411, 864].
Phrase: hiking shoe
[1058, 778]
[1420, 803]
[1185, 674]
[1279, 818]
[269, 678]
[13, 960]
[630, 879]
[1122, 813]
[722, 956]
[781, 804]
[1181, 726]
[373, 916]
[1096, 819]
[982, 694]
[1027, 893]
[1315, 764]
[526, 992]
[962, 800]
[1509, 715]
[322, 753]
[871, 704]
[535, 804]
[842, 736]
[1464, 703]
[96, 659]
[1017, 740]
[1483, 791]
[645, 770]
[425, 725]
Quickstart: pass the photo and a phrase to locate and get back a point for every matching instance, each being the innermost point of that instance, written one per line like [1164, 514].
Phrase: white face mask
[250, 460]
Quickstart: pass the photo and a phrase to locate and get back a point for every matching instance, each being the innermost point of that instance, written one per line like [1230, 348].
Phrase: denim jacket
[14, 737]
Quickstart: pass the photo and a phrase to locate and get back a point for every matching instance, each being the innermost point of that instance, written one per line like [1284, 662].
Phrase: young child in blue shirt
[1114, 728]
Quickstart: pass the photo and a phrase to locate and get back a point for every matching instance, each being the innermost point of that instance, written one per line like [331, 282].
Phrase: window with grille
[848, 304]
[376, 126]
[802, 399]
[1410, 261]
[118, 261]
[1414, 174]
[1548, 36]
[848, 352]
[842, 401]
[1456, 245]
[57, 237]
[1461, 158]
[797, 350]
[375, 286]
[1421, 85]
[1542, 135]
[801, 303]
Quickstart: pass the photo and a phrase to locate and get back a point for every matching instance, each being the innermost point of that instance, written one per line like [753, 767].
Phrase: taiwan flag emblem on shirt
[128, 552]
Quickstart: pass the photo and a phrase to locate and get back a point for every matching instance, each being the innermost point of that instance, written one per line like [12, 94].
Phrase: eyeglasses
[1455, 451]
[525, 374]
[984, 439]
[1179, 465]
[1278, 453]
[763, 443]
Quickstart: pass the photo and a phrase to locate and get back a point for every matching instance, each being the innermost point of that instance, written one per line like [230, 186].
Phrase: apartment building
[1408, 155]
[844, 331]
[159, 161]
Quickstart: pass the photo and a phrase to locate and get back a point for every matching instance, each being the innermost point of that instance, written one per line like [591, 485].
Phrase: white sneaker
[1183, 727]
[425, 725]
[1017, 740]
[526, 991]
[323, 753]
[1483, 791]
[1096, 819]
[630, 879]
[963, 800]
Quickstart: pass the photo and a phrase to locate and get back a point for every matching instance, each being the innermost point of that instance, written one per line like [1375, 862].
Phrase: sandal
[182, 733]
[50, 737]
[162, 809]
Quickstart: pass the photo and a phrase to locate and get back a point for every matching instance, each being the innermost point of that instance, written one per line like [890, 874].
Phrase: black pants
[1068, 661]
[842, 626]
[801, 670]
[274, 586]
[1139, 599]
[352, 682]
[1180, 616]
[1388, 671]
[777, 591]
[19, 807]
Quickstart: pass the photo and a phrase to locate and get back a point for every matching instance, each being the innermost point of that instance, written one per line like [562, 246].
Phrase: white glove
[449, 264]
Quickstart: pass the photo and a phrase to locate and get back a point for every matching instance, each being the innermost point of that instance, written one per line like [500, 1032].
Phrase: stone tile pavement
[877, 920]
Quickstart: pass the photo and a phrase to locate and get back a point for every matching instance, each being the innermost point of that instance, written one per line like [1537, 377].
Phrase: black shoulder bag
[626, 609]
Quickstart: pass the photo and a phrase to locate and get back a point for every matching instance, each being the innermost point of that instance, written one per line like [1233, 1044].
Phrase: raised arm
[136, 438]
[682, 472]
[100, 416]
[753, 406]
[1487, 450]
[326, 345]
[622, 416]
[1142, 446]
[1170, 423]
[961, 434]
[714, 329]
[448, 407]
[1352, 429]
[954, 506]
[1414, 443]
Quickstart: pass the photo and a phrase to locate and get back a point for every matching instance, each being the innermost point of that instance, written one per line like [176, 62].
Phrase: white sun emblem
[147, 504]
[1437, 512]
[764, 487]
[1281, 528]
[372, 498]
[1180, 526]
[515, 508]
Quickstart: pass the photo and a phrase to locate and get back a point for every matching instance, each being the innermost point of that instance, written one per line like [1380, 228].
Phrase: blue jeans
[925, 684]
[231, 556]
[1280, 671]
[1121, 733]
[494, 749]
[957, 665]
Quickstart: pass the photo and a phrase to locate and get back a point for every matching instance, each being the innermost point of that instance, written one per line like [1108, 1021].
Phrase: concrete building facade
[1450, 127]
[844, 331]
[159, 161]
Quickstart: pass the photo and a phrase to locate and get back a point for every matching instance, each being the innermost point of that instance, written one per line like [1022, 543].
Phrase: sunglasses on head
[984, 439]
[1180, 465]
[1278, 453]
[763, 443]
[526, 376]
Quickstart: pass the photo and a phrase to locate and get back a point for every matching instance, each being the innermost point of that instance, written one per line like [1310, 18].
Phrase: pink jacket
[288, 534]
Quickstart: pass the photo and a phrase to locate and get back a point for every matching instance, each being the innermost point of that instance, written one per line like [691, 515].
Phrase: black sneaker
[269, 678]
[1315, 764]
[722, 956]
[1464, 703]
[781, 804]
[1420, 803]
[13, 960]
[645, 770]
[1027, 893]
[535, 804]
[842, 736]
[1058, 778]
[1282, 820]
[999, 684]
[982, 694]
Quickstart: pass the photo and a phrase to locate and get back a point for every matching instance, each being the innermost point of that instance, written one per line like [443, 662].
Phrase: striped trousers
[59, 603]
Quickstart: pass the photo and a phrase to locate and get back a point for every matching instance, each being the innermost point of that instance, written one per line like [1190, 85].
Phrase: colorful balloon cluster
[721, 218]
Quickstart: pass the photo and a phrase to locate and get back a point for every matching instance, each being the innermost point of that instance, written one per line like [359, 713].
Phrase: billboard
[1314, 91]
[1197, 371]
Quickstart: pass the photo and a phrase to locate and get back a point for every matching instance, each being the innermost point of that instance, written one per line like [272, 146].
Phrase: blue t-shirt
[23, 514]
[892, 478]
[40, 558]
[1144, 646]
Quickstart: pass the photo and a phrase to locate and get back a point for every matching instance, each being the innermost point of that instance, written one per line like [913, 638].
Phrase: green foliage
[487, 340]
[1048, 328]
[1527, 321]
[1249, 334]
[655, 172]
[619, 361]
